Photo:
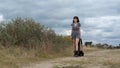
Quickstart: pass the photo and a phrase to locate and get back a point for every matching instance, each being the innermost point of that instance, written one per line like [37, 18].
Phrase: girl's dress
[75, 30]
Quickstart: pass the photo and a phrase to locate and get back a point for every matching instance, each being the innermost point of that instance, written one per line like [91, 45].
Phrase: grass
[80, 63]
[114, 61]
[91, 49]
[15, 57]
[107, 59]
[111, 64]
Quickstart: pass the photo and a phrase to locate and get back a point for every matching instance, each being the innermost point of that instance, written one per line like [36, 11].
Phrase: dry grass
[15, 57]
[91, 49]
[112, 59]
[95, 59]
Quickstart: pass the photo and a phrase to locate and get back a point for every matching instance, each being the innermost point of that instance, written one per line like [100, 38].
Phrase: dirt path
[97, 59]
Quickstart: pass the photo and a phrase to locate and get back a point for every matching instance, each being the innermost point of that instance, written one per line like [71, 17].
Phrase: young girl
[75, 34]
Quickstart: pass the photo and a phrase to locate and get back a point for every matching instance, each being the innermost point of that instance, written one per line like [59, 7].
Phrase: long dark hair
[76, 17]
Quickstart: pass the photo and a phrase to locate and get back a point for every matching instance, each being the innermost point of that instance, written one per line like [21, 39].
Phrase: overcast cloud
[100, 19]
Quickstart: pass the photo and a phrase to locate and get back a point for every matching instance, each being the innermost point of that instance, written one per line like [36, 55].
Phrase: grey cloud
[102, 29]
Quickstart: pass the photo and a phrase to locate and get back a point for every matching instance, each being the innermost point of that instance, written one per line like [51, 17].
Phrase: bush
[29, 34]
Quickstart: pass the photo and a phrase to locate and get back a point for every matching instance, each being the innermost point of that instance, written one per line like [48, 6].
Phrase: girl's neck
[75, 22]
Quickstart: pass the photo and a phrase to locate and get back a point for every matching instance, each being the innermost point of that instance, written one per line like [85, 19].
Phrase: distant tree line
[99, 45]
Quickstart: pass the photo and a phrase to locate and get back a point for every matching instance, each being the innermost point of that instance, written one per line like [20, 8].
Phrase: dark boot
[81, 53]
[76, 53]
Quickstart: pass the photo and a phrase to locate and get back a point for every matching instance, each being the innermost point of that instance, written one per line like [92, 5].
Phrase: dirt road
[97, 59]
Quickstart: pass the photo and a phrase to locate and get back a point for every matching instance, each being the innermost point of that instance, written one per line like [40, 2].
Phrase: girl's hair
[76, 17]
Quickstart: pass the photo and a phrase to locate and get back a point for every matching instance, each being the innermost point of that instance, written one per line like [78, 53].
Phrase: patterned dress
[75, 30]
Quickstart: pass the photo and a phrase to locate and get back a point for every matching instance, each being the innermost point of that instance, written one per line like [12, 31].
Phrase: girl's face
[75, 20]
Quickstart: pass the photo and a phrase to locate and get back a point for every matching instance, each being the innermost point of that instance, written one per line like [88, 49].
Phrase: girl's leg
[76, 42]
[74, 46]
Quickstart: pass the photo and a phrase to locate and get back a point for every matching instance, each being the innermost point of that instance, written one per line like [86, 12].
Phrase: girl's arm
[80, 32]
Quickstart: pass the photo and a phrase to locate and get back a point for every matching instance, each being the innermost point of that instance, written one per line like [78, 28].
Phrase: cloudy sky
[100, 19]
